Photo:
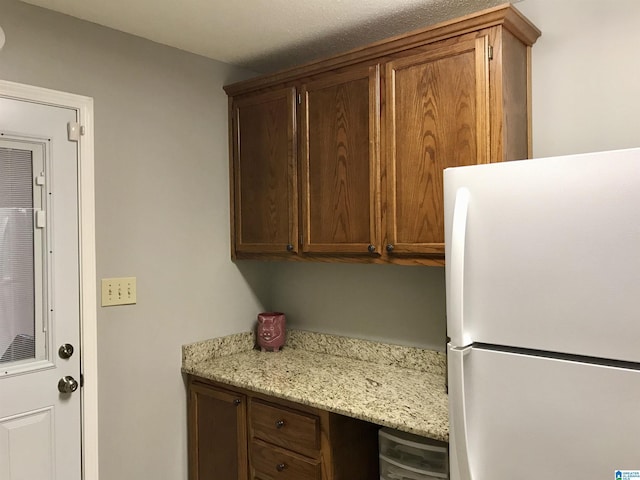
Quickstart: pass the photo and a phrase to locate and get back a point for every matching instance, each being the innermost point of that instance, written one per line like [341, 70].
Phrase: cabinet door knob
[237, 402]
[371, 248]
[281, 466]
[289, 248]
[389, 248]
[280, 424]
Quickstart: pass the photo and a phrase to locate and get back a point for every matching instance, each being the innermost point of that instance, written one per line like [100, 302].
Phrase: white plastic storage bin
[417, 455]
[390, 470]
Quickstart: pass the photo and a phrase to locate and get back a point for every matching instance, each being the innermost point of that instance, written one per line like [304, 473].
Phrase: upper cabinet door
[340, 163]
[437, 116]
[265, 214]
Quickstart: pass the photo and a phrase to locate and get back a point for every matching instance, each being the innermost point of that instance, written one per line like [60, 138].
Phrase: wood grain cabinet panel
[264, 169]
[437, 117]
[340, 162]
[272, 463]
[287, 428]
[377, 127]
[217, 434]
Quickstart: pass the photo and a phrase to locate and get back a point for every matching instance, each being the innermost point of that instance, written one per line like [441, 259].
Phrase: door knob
[67, 385]
[65, 351]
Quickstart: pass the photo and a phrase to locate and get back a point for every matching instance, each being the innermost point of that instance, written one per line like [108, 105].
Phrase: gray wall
[392, 303]
[161, 163]
[586, 66]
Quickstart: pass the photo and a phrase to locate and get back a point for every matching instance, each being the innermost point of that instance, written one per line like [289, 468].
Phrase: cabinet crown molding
[505, 15]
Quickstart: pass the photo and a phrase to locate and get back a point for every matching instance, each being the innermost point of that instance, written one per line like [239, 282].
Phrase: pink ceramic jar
[271, 331]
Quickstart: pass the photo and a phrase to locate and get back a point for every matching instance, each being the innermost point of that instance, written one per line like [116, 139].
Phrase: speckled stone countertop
[390, 385]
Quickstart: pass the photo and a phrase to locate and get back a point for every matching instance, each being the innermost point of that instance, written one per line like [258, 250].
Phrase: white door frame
[86, 228]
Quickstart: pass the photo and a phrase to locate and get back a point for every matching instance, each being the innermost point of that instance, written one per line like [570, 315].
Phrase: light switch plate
[118, 291]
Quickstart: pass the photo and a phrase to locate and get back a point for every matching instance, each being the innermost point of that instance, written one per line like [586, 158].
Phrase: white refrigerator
[543, 316]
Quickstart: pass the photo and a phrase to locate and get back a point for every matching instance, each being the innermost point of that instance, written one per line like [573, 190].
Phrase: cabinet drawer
[273, 463]
[293, 430]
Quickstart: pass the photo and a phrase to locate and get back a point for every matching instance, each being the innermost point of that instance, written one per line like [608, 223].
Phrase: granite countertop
[390, 385]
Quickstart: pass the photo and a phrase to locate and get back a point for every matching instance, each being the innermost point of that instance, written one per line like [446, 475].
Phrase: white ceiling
[265, 35]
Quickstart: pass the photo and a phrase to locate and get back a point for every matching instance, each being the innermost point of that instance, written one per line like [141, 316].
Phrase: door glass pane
[22, 222]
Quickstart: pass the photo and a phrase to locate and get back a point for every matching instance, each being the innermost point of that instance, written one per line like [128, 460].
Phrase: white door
[533, 418]
[40, 401]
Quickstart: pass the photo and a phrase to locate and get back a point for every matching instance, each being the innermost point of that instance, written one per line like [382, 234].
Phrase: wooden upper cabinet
[340, 174]
[264, 173]
[377, 126]
[437, 116]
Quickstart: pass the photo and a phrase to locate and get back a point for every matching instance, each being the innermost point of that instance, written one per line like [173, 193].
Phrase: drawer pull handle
[279, 424]
[281, 466]
[237, 402]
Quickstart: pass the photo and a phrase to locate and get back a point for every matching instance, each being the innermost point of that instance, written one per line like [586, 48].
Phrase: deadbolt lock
[65, 351]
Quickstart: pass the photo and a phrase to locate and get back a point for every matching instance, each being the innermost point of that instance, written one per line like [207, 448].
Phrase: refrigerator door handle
[459, 452]
[455, 300]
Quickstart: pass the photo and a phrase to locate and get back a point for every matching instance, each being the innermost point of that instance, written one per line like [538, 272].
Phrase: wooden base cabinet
[374, 129]
[238, 434]
[217, 433]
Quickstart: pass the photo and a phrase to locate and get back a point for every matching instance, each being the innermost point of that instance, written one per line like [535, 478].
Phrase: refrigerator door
[545, 254]
[535, 418]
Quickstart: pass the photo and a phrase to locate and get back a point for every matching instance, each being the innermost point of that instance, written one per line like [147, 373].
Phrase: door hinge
[81, 380]
[299, 99]
[490, 52]
[74, 131]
